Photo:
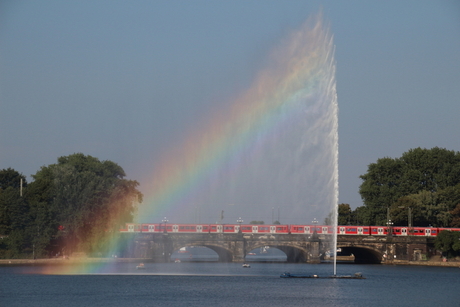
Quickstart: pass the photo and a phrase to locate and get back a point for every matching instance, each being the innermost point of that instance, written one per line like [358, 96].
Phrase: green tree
[399, 212]
[427, 208]
[380, 189]
[82, 201]
[15, 221]
[11, 178]
[345, 214]
[448, 242]
[360, 216]
[450, 196]
[455, 217]
[14, 214]
[43, 227]
[387, 180]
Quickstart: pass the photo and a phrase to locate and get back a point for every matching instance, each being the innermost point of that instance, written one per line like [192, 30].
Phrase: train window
[205, 227]
[228, 227]
[263, 228]
[145, 227]
[279, 228]
[397, 230]
[213, 227]
[433, 231]
[351, 229]
[246, 228]
[374, 230]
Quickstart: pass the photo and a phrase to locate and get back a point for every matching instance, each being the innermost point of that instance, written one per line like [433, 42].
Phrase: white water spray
[276, 146]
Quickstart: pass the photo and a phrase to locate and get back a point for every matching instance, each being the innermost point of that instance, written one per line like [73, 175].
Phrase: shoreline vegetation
[434, 261]
[78, 203]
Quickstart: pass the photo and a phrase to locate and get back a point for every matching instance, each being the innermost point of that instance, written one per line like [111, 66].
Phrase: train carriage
[353, 230]
[282, 229]
[297, 229]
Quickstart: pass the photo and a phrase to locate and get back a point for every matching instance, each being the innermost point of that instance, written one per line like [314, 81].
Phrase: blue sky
[119, 80]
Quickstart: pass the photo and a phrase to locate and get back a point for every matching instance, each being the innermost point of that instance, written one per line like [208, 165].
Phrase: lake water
[229, 284]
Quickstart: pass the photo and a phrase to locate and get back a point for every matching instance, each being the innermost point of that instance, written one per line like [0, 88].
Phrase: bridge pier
[314, 255]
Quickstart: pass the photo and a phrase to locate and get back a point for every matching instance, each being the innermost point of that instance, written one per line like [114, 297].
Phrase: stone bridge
[234, 247]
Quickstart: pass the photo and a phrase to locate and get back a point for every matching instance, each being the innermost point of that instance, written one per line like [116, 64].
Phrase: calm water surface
[228, 284]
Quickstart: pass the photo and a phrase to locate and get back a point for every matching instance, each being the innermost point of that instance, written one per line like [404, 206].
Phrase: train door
[237, 228]
[324, 230]
[131, 228]
[151, 228]
[219, 228]
[403, 231]
[427, 232]
[380, 231]
[307, 229]
[272, 229]
[255, 229]
[342, 230]
[175, 228]
[199, 228]
[360, 230]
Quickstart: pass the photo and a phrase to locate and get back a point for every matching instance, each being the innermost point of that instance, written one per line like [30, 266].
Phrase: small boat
[246, 265]
[141, 266]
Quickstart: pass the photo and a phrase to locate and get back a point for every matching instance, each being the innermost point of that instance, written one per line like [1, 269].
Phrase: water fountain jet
[274, 146]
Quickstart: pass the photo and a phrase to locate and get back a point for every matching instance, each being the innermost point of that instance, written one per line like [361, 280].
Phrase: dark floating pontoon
[354, 276]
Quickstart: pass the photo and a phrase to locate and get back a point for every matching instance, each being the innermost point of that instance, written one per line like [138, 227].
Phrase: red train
[283, 229]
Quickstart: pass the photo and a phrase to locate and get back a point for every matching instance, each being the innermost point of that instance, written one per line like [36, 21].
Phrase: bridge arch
[225, 255]
[363, 254]
[294, 254]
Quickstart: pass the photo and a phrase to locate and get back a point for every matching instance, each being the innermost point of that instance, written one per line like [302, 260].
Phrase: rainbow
[295, 93]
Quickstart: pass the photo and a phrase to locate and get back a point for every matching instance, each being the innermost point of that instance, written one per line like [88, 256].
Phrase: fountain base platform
[354, 276]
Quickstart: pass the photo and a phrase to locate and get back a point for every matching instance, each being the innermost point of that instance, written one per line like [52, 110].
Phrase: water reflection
[202, 253]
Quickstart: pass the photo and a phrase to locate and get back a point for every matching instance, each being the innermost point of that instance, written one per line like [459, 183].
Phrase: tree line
[421, 188]
[77, 204]
[80, 202]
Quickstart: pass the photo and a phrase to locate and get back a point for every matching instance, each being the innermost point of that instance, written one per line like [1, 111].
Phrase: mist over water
[272, 154]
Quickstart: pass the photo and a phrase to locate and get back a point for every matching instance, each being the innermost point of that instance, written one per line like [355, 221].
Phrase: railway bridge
[233, 247]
